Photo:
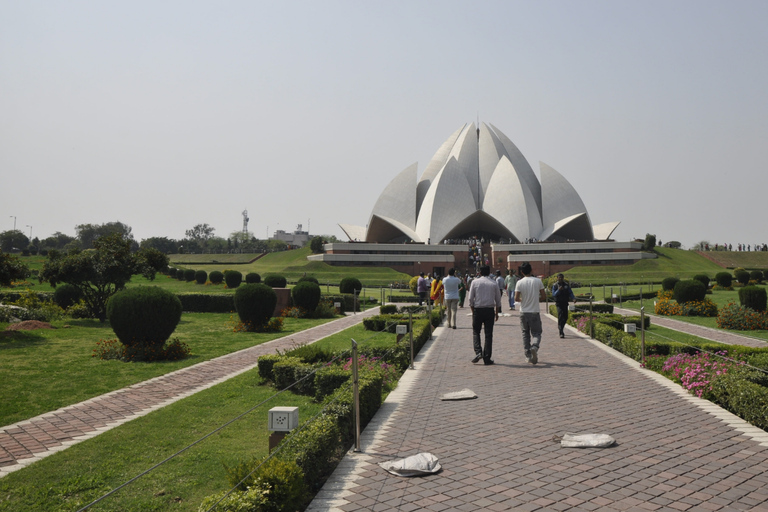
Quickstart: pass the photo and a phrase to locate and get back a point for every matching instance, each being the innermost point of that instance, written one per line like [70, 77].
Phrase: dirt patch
[29, 325]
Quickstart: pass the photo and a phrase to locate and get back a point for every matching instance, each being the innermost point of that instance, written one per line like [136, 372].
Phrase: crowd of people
[739, 247]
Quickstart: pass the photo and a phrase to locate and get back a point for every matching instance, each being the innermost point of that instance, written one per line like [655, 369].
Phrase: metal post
[410, 333]
[642, 336]
[620, 296]
[591, 333]
[356, 393]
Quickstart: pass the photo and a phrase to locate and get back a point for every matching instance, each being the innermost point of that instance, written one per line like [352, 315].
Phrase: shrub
[753, 297]
[413, 284]
[252, 278]
[233, 278]
[180, 274]
[189, 275]
[216, 277]
[742, 276]
[316, 245]
[324, 309]
[313, 447]
[703, 279]
[275, 281]
[306, 295]
[388, 309]
[282, 478]
[255, 304]
[144, 316]
[67, 295]
[669, 283]
[350, 285]
[255, 498]
[723, 279]
[201, 276]
[172, 272]
[309, 279]
[689, 291]
[756, 275]
[328, 380]
[741, 318]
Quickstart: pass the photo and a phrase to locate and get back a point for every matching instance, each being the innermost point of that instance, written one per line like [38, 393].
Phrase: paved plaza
[674, 451]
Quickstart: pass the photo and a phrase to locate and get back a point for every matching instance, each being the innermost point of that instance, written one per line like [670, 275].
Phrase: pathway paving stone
[28, 441]
[674, 451]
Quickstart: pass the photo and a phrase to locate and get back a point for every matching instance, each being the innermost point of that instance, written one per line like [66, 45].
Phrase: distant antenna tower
[245, 222]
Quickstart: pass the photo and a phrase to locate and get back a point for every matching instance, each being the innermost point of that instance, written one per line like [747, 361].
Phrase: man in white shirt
[451, 289]
[528, 292]
[485, 302]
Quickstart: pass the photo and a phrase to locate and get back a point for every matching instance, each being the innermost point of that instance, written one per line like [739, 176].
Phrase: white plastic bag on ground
[464, 394]
[416, 465]
[585, 440]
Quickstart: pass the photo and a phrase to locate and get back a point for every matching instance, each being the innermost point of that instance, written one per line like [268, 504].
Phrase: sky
[168, 114]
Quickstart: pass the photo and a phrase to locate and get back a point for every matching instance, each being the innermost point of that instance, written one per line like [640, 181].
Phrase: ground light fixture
[281, 421]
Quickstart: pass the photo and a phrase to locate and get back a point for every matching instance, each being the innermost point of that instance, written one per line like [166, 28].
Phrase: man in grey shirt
[485, 303]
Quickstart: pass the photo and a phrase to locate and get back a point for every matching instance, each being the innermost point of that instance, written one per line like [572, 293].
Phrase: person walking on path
[484, 301]
[501, 284]
[528, 292]
[436, 293]
[562, 293]
[451, 288]
[422, 288]
[510, 281]
[462, 291]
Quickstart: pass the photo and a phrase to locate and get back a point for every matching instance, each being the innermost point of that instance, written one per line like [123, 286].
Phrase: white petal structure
[479, 184]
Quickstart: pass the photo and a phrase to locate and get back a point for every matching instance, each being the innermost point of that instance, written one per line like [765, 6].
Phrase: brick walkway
[675, 451]
[703, 332]
[31, 440]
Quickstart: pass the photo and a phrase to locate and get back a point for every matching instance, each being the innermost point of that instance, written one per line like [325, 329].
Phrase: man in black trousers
[562, 294]
[485, 303]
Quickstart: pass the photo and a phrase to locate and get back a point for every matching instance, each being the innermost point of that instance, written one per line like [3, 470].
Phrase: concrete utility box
[630, 328]
[401, 329]
[283, 419]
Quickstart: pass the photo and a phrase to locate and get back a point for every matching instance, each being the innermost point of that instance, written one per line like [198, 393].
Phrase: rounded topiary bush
[309, 279]
[723, 279]
[233, 278]
[753, 297]
[689, 291]
[703, 279]
[756, 275]
[275, 281]
[306, 295]
[172, 272]
[144, 315]
[66, 295]
[350, 285]
[255, 304]
[189, 274]
[742, 276]
[201, 276]
[216, 277]
[180, 274]
[669, 283]
[413, 284]
[252, 278]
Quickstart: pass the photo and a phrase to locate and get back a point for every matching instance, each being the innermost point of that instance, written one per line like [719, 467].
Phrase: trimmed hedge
[66, 295]
[309, 279]
[201, 276]
[206, 302]
[255, 304]
[328, 380]
[275, 281]
[724, 279]
[144, 315]
[703, 279]
[379, 323]
[216, 277]
[350, 285]
[388, 309]
[668, 283]
[189, 275]
[689, 291]
[266, 363]
[233, 278]
[252, 278]
[306, 295]
[753, 297]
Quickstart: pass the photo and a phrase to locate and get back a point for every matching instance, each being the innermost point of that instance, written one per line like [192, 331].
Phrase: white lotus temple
[479, 186]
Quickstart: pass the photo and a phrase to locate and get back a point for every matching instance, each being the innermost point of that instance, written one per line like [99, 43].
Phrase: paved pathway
[709, 333]
[675, 451]
[28, 441]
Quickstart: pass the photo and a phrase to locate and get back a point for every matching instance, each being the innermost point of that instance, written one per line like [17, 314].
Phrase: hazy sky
[167, 114]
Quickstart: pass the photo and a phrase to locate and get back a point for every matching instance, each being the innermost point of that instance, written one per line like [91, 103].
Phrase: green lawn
[51, 368]
[84, 472]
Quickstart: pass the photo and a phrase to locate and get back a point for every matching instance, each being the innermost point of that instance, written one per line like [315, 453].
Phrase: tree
[57, 240]
[198, 236]
[161, 243]
[316, 244]
[87, 233]
[650, 242]
[276, 246]
[11, 269]
[99, 272]
[13, 241]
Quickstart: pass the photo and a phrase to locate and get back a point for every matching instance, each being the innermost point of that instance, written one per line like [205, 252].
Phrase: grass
[49, 369]
[86, 471]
